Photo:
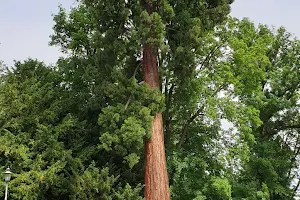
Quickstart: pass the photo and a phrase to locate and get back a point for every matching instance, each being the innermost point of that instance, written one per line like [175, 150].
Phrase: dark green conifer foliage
[50, 140]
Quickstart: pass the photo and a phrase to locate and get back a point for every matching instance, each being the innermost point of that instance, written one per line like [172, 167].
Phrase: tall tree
[155, 175]
[266, 63]
[112, 34]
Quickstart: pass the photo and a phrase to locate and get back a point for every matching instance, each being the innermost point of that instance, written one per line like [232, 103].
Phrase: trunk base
[156, 178]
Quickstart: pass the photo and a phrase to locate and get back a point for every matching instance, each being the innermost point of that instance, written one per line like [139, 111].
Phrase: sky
[25, 25]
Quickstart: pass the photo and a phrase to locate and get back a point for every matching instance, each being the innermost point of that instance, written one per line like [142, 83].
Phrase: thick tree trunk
[155, 174]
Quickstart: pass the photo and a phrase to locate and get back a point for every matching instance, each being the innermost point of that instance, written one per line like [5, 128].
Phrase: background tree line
[76, 130]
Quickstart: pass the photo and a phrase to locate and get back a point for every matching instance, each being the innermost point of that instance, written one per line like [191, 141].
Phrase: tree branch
[186, 126]
[210, 54]
[134, 74]
[168, 118]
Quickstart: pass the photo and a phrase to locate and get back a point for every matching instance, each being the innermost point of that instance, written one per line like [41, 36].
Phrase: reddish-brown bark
[155, 174]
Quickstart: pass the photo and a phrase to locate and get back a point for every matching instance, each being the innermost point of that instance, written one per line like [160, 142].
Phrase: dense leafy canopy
[229, 94]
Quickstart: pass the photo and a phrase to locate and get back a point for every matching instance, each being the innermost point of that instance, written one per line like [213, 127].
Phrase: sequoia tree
[155, 175]
[147, 33]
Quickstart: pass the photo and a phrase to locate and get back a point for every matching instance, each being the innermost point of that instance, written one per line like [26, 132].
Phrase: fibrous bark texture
[155, 175]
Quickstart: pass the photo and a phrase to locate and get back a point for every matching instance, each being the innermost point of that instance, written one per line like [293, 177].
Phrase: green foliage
[270, 160]
[218, 188]
[76, 130]
[45, 142]
[95, 184]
